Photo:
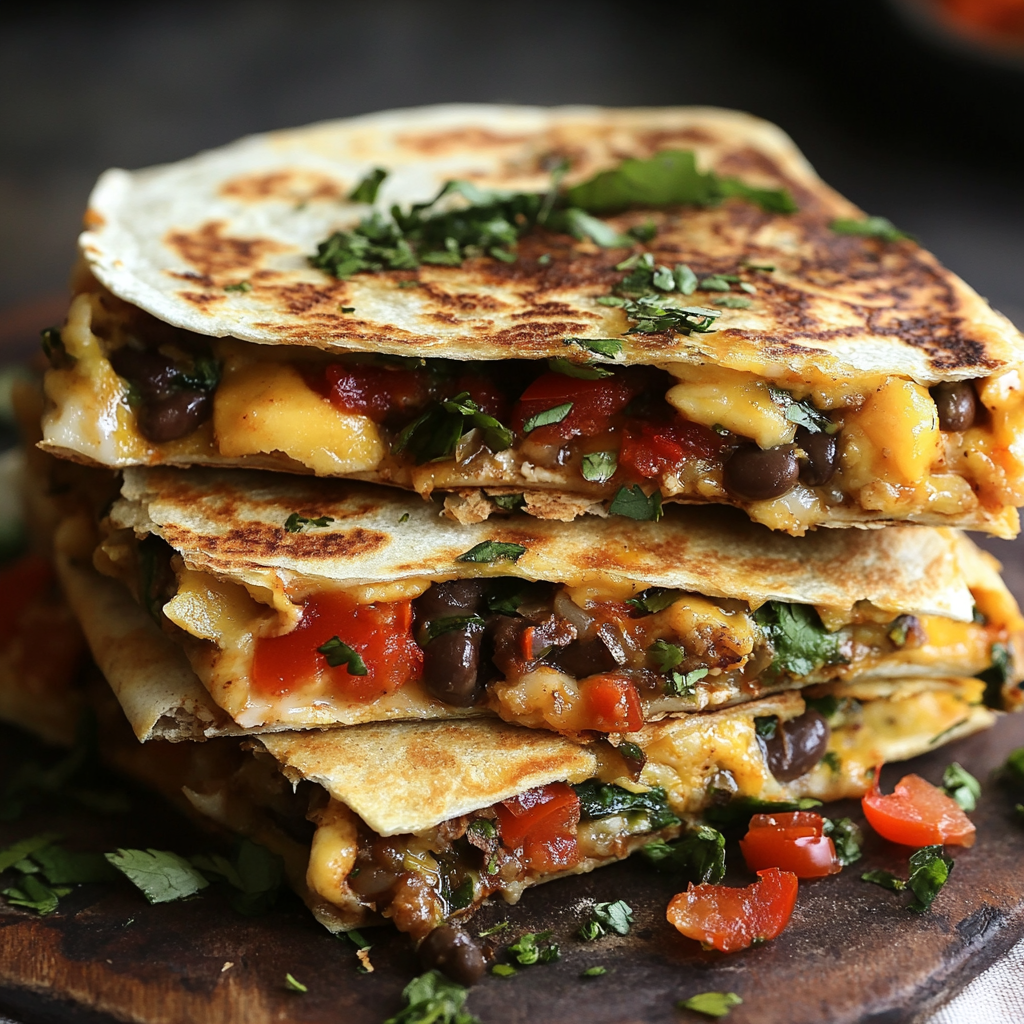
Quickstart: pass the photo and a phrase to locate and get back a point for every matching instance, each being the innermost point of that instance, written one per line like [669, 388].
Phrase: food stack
[528, 484]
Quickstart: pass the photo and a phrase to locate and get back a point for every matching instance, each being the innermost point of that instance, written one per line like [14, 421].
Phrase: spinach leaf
[698, 857]
[802, 644]
[603, 799]
[929, 871]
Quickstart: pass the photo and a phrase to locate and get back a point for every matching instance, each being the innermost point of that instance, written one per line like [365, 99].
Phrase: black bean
[167, 419]
[822, 457]
[957, 404]
[442, 600]
[584, 658]
[797, 746]
[505, 642]
[450, 950]
[152, 374]
[451, 665]
[757, 474]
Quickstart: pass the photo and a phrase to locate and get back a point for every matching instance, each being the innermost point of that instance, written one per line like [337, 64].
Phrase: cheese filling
[792, 453]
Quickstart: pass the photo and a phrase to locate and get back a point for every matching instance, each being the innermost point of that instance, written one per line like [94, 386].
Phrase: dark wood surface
[852, 951]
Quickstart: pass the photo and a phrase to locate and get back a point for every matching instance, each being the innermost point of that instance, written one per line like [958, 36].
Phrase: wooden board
[852, 951]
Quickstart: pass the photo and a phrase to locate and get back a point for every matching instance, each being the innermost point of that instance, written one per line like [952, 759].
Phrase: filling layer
[130, 389]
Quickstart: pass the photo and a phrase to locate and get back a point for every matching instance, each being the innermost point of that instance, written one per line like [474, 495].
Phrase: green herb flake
[293, 985]
[434, 436]
[801, 643]
[847, 838]
[296, 523]
[685, 279]
[433, 999]
[33, 894]
[160, 875]
[582, 371]
[594, 972]
[253, 877]
[603, 799]
[10, 855]
[502, 925]
[503, 970]
[367, 189]
[962, 786]
[608, 347]
[339, 653]
[997, 675]
[766, 727]
[716, 283]
[643, 232]
[886, 879]
[599, 467]
[544, 260]
[608, 917]
[665, 656]
[654, 599]
[748, 287]
[712, 1004]
[404, 517]
[684, 684]
[582, 225]
[528, 950]
[490, 551]
[1013, 768]
[832, 761]
[438, 627]
[547, 417]
[738, 811]
[734, 302]
[634, 504]
[508, 502]
[698, 857]
[610, 300]
[870, 227]
[241, 286]
[66, 867]
[653, 315]
[929, 870]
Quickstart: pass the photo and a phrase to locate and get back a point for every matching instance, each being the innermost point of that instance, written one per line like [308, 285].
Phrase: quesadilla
[304, 603]
[563, 310]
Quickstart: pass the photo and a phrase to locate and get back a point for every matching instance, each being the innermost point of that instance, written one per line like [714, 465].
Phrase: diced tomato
[729, 919]
[375, 391]
[594, 402]
[793, 842]
[380, 633]
[611, 704]
[917, 814]
[539, 826]
[650, 449]
[21, 583]
[484, 392]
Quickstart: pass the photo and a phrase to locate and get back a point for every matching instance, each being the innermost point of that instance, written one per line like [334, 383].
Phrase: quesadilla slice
[307, 603]
[564, 310]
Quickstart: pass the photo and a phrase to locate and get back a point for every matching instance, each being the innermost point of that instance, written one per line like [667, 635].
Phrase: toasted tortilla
[170, 239]
[232, 524]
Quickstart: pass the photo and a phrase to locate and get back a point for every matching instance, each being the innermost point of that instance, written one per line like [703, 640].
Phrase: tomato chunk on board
[539, 826]
[728, 918]
[917, 813]
[793, 842]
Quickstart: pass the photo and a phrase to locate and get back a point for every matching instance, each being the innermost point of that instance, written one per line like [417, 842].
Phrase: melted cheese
[333, 853]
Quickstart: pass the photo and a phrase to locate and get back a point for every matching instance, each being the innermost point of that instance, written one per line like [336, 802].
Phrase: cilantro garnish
[367, 189]
[997, 675]
[846, 837]
[870, 227]
[582, 371]
[241, 286]
[803, 412]
[296, 523]
[253, 877]
[35, 895]
[886, 879]
[594, 972]
[929, 870]
[547, 417]
[698, 857]
[581, 225]
[599, 467]
[665, 656]
[713, 1004]
[962, 786]
[161, 876]
[68, 867]
[338, 654]
[528, 949]
[652, 315]
[654, 599]
[493, 551]
[718, 283]
[1013, 768]
[734, 302]
[24, 848]
[766, 727]
[608, 347]
[608, 917]
[433, 999]
[802, 644]
[294, 985]
[503, 970]
[602, 799]
[501, 925]
[435, 435]
[634, 504]
[438, 627]
[683, 684]
[508, 502]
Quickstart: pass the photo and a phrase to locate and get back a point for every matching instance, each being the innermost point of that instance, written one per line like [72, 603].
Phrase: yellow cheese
[211, 609]
[333, 854]
[268, 407]
[739, 401]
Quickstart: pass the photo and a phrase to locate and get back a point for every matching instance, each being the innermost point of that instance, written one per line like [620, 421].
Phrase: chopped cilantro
[634, 504]
[713, 1004]
[665, 656]
[654, 599]
[997, 674]
[367, 189]
[929, 871]
[433, 999]
[508, 502]
[643, 232]
[610, 300]
[347, 309]
[608, 347]
[528, 949]
[599, 467]
[502, 925]
[962, 786]
[886, 879]
[803, 413]
[870, 227]
[825, 706]
[652, 315]
[684, 684]
[67, 867]
[583, 225]
[608, 917]
[160, 875]
[438, 627]
[748, 287]
[738, 812]
[294, 985]
[505, 595]
[435, 435]
[25, 847]
[594, 972]
[544, 259]
[716, 283]
[547, 417]
[685, 279]
[503, 970]
[801, 643]
[35, 895]
[1013, 768]
[846, 837]
[241, 286]
[583, 371]
[254, 876]
[734, 302]
[766, 727]
[408, 284]
[338, 653]
[832, 761]
[493, 551]
[296, 523]
[404, 517]
[603, 799]
[698, 857]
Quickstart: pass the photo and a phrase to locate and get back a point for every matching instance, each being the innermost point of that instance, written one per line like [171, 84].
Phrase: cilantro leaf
[870, 227]
[583, 225]
[438, 627]
[684, 684]
[603, 799]
[508, 502]
[66, 867]
[493, 551]
[803, 413]
[847, 837]
[634, 504]
[433, 436]
[160, 875]
[582, 371]
[716, 283]
[1013, 768]
[801, 643]
[528, 949]
[654, 599]
[665, 656]
[608, 347]
[9, 856]
[997, 675]
[433, 999]
[503, 970]
[886, 879]
[254, 876]
[547, 417]
[338, 653]
[599, 467]
[734, 302]
[240, 286]
[698, 857]
[713, 1004]
[35, 895]
[685, 279]
[294, 985]
[594, 972]
[296, 523]
[929, 871]
[367, 189]
[962, 786]
[607, 917]
[652, 315]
